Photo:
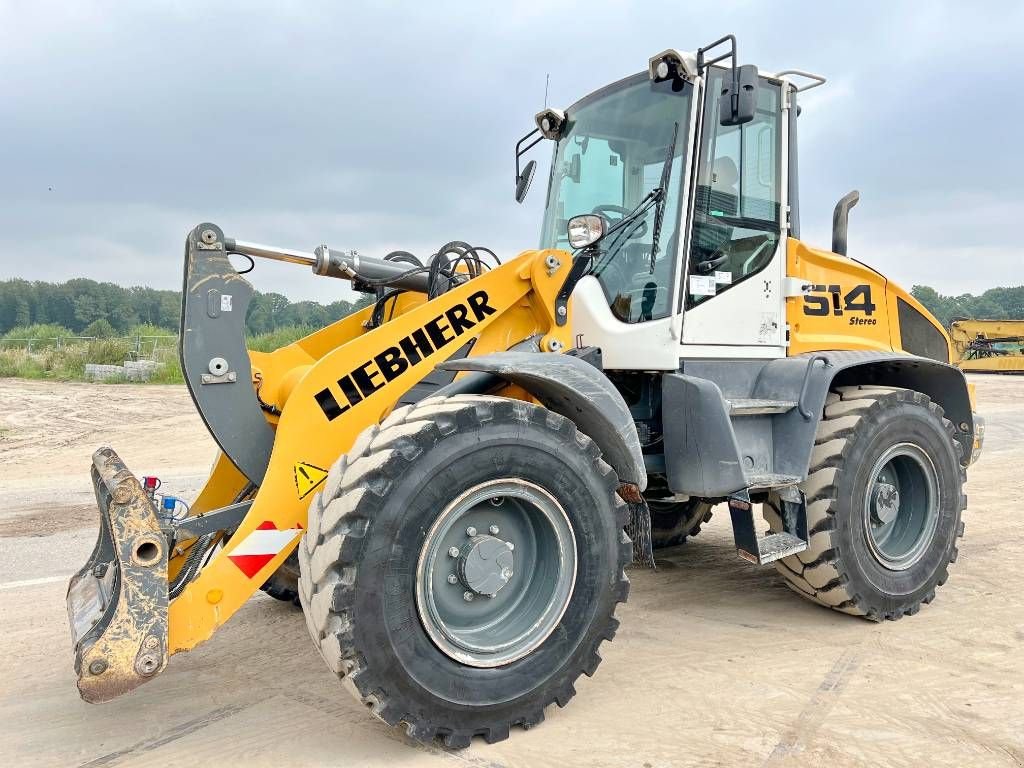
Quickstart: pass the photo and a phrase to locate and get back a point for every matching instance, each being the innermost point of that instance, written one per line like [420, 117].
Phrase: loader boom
[264, 408]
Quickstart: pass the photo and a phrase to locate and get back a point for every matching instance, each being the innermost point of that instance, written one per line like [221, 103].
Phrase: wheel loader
[444, 480]
[988, 346]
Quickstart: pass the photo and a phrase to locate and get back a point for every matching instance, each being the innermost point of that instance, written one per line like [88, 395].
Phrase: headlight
[585, 230]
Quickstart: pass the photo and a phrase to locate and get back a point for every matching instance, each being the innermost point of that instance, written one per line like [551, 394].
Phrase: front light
[585, 230]
[550, 122]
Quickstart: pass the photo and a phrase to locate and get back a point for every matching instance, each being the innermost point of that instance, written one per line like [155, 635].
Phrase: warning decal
[307, 478]
[261, 546]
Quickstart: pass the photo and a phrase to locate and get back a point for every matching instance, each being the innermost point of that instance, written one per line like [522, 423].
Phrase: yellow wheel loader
[988, 346]
[447, 477]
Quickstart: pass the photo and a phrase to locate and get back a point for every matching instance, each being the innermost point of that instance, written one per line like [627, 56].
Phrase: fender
[807, 379]
[572, 387]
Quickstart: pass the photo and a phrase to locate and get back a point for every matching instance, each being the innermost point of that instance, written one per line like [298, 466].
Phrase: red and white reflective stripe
[261, 546]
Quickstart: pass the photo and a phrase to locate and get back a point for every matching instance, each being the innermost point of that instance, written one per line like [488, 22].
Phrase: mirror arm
[520, 150]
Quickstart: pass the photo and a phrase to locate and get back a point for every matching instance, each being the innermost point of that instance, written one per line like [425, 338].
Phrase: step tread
[776, 546]
[770, 480]
[753, 406]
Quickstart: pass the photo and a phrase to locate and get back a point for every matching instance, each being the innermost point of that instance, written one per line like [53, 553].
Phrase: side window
[736, 226]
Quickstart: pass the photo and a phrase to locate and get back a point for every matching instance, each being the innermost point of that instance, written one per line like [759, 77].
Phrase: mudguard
[808, 378]
[574, 388]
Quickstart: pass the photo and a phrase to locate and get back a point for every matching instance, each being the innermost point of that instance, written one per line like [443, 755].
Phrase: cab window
[736, 222]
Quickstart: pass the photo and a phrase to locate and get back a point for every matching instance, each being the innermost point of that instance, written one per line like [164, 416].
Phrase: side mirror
[524, 179]
[739, 96]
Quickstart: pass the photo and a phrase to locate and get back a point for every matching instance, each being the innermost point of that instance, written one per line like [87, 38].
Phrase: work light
[585, 230]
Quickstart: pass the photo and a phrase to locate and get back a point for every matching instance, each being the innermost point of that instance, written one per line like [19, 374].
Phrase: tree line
[89, 308]
[993, 304]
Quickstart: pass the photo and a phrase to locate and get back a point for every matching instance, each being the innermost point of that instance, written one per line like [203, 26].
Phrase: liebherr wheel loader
[455, 465]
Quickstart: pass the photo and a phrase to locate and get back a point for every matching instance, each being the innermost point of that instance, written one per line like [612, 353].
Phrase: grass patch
[282, 337]
[68, 362]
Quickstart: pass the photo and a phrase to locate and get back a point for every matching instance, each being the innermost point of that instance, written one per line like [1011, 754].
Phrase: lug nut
[452, 578]
[471, 531]
[493, 530]
[467, 596]
[98, 667]
[453, 551]
[506, 573]
[510, 545]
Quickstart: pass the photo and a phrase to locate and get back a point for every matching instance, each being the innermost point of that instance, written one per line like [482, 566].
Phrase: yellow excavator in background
[445, 478]
[988, 346]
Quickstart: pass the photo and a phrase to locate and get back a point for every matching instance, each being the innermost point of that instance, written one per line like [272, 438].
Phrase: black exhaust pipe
[840, 220]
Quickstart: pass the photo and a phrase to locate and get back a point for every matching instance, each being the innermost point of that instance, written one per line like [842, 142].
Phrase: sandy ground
[716, 663]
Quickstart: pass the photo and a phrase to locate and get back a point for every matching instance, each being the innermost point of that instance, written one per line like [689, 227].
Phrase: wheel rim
[482, 602]
[901, 508]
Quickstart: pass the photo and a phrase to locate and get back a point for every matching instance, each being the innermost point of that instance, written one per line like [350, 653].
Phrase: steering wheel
[622, 212]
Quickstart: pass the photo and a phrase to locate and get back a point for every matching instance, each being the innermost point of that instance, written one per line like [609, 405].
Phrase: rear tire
[363, 580]
[874, 552]
[673, 522]
[283, 583]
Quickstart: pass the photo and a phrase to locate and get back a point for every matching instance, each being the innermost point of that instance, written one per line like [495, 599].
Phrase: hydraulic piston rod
[270, 252]
[347, 265]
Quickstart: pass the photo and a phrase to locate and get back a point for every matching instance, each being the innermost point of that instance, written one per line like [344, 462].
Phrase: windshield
[612, 153]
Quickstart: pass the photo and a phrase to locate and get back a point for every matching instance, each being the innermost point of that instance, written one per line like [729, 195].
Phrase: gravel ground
[716, 662]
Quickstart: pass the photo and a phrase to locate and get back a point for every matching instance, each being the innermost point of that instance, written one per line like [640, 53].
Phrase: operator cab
[699, 270]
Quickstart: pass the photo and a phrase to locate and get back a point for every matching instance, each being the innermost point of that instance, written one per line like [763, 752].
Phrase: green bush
[42, 334]
[100, 329]
[148, 329]
[282, 337]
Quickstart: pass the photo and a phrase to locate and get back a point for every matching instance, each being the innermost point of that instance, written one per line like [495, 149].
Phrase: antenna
[547, 82]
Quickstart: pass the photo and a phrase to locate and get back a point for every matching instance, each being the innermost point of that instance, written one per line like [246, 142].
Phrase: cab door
[733, 283]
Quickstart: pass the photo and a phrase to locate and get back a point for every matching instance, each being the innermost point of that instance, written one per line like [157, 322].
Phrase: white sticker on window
[723, 277]
[225, 302]
[702, 285]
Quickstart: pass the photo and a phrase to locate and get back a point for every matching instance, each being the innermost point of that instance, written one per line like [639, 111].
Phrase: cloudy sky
[125, 124]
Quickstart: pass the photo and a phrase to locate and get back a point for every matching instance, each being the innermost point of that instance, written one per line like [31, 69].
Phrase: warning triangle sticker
[307, 478]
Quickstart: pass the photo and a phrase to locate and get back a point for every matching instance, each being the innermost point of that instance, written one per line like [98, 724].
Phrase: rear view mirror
[524, 180]
[739, 96]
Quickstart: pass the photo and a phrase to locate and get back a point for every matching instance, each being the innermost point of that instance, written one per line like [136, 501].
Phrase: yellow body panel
[521, 294]
[823, 319]
[849, 307]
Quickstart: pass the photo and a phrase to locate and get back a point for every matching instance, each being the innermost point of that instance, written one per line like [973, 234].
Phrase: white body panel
[647, 346]
[751, 313]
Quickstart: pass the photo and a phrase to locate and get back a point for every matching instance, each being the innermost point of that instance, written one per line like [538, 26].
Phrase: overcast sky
[125, 124]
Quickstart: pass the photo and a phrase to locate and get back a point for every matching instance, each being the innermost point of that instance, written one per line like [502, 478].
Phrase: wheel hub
[901, 506]
[885, 503]
[496, 572]
[485, 565]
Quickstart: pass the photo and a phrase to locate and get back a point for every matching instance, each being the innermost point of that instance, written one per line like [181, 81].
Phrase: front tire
[441, 477]
[884, 500]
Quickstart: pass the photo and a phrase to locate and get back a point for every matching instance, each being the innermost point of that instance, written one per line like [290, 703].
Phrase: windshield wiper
[659, 212]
